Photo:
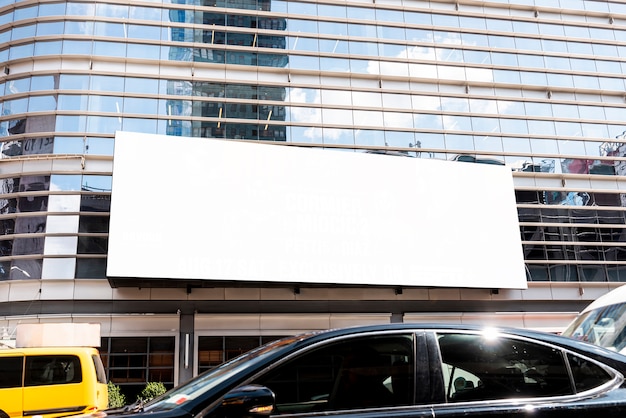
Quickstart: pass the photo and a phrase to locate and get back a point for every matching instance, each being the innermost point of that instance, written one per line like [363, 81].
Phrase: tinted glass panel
[52, 370]
[359, 373]
[11, 375]
[478, 367]
[587, 375]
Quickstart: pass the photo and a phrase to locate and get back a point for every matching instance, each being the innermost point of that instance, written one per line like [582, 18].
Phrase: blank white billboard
[197, 208]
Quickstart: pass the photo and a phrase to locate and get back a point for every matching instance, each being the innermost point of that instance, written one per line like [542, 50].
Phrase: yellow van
[50, 382]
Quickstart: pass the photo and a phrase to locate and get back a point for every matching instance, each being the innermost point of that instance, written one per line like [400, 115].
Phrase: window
[358, 373]
[52, 370]
[478, 367]
[11, 376]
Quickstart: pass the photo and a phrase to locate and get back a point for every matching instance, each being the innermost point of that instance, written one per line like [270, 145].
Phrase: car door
[502, 376]
[353, 376]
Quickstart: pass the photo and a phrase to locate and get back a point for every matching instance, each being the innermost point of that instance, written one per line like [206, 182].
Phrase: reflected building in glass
[522, 83]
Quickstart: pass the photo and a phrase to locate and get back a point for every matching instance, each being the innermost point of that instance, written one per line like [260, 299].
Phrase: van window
[52, 370]
[100, 372]
[11, 376]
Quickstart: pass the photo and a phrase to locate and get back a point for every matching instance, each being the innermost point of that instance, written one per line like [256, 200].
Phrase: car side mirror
[248, 401]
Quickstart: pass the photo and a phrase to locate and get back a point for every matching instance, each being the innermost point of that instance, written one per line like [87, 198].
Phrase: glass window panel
[25, 13]
[400, 139]
[68, 145]
[591, 130]
[449, 55]
[91, 268]
[441, 20]
[367, 118]
[105, 104]
[363, 48]
[554, 46]
[71, 123]
[568, 128]
[472, 22]
[614, 84]
[488, 143]
[112, 10]
[369, 137]
[525, 27]
[472, 39]
[504, 59]
[72, 102]
[103, 124]
[550, 29]
[517, 145]
[22, 32]
[457, 123]
[426, 121]
[364, 66]
[65, 182]
[140, 105]
[12, 107]
[369, 98]
[92, 245]
[557, 63]
[109, 49]
[388, 32]
[483, 106]
[60, 245]
[62, 224]
[58, 268]
[454, 104]
[41, 103]
[564, 111]
[560, 80]
[300, 25]
[332, 28]
[338, 136]
[538, 109]
[600, 33]
[571, 147]
[389, 15]
[335, 64]
[144, 32]
[304, 62]
[459, 142]
[501, 42]
[510, 107]
[42, 82]
[504, 76]
[148, 126]
[49, 28]
[544, 146]
[99, 146]
[117, 30]
[20, 85]
[337, 116]
[546, 127]
[476, 57]
[364, 13]
[513, 126]
[81, 9]
[617, 114]
[21, 51]
[79, 28]
[367, 31]
[586, 82]
[96, 183]
[48, 48]
[77, 47]
[145, 13]
[331, 11]
[107, 83]
[398, 120]
[485, 124]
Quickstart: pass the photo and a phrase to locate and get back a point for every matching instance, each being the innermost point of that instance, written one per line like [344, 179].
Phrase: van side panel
[11, 385]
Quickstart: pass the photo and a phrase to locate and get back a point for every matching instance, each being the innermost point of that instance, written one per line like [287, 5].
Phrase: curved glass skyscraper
[536, 85]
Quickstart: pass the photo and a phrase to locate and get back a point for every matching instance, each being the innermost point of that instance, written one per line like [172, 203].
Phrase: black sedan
[406, 370]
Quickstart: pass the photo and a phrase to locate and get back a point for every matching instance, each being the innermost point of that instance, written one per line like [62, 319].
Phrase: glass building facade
[536, 85]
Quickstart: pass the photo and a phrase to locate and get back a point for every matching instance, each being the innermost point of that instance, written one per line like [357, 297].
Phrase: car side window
[364, 372]
[587, 375]
[478, 367]
[52, 370]
[11, 375]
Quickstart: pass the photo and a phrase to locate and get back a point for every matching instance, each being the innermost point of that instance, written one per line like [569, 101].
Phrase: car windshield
[211, 378]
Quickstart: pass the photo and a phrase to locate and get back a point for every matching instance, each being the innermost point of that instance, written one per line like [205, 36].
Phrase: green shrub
[116, 397]
[152, 390]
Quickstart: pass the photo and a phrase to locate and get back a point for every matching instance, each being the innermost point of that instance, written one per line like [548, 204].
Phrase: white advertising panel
[197, 208]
